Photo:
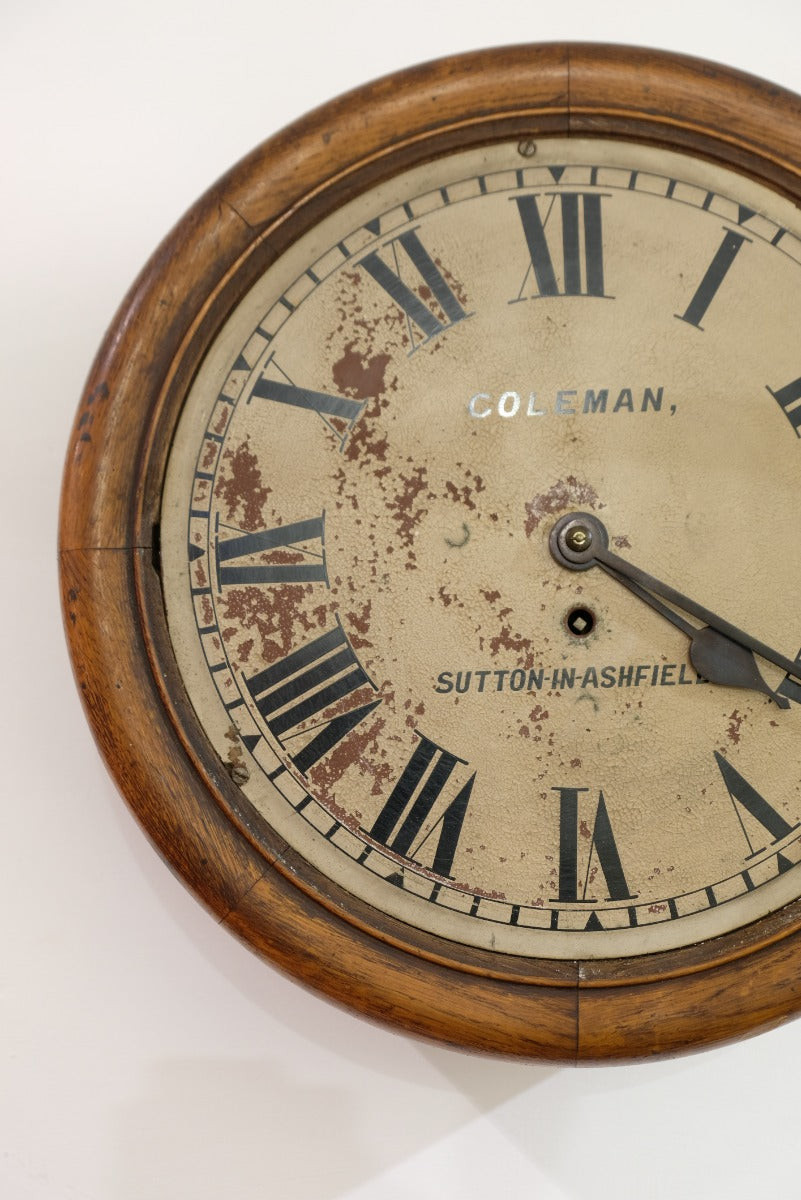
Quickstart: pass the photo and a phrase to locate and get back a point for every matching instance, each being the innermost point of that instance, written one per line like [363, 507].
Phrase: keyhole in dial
[580, 621]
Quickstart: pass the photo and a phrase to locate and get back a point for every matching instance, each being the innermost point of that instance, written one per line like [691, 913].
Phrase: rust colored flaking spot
[449, 598]
[360, 749]
[235, 758]
[358, 626]
[462, 496]
[456, 286]
[462, 493]
[363, 377]
[506, 641]
[735, 721]
[561, 497]
[386, 327]
[277, 615]
[406, 512]
[208, 611]
[359, 376]
[240, 488]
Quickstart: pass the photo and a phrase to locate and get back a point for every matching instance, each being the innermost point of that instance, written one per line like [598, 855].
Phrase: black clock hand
[714, 656]
[719, 651]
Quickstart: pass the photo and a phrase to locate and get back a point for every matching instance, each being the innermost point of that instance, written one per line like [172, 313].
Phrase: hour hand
[720, 660]
[718, 651]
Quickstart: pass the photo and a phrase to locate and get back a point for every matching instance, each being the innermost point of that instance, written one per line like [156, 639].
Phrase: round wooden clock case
[428, 552]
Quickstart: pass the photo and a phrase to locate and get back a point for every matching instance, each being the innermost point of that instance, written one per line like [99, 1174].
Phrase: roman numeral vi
[603, 847]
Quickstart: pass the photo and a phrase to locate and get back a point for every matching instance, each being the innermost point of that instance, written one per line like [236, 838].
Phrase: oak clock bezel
[145, 726]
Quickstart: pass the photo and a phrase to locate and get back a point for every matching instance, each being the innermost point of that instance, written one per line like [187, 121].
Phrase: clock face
[407, 684]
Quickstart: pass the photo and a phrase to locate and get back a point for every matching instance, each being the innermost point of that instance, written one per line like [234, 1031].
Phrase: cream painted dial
[404, 682]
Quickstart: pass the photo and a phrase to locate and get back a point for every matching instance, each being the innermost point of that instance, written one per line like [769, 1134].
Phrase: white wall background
[145, 1055]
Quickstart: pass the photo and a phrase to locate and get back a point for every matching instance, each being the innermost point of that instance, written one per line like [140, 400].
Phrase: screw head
[578, 539]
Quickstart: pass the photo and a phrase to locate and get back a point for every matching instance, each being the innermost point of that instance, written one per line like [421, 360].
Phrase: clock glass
[373, 490]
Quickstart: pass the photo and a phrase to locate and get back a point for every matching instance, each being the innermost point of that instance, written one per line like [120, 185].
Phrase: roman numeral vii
[404, 824]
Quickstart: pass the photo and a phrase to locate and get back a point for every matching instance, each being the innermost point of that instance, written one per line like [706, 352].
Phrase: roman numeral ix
[300, 541]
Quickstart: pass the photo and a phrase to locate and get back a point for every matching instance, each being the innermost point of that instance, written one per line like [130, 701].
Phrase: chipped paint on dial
[356, 570]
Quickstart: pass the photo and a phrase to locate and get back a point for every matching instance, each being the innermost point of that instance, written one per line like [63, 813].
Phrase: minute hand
[606, 558]
[706, 652]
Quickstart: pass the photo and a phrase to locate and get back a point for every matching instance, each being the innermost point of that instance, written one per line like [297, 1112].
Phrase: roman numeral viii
[292, 553]
[422, 784]
[302, 686]
[569, 260]
[429, 302]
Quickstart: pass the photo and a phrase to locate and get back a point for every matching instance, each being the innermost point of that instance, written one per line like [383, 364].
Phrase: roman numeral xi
[428, 300]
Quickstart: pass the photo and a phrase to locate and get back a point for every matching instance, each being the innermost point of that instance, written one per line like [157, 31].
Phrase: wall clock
[430, 558]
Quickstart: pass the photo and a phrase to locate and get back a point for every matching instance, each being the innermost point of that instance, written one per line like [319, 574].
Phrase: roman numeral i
[714, 275]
